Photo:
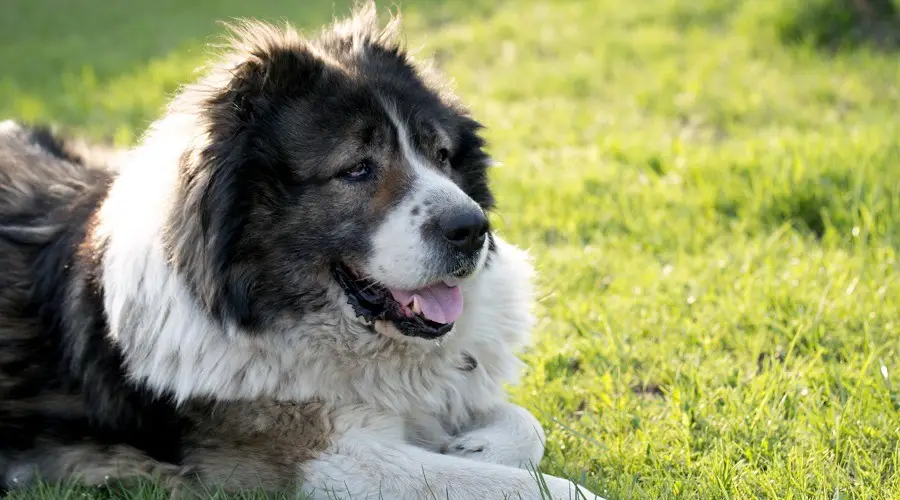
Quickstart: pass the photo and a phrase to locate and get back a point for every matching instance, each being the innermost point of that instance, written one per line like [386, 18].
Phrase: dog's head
[331, 164]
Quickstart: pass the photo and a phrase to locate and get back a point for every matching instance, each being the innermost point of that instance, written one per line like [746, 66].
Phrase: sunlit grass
[715, 217]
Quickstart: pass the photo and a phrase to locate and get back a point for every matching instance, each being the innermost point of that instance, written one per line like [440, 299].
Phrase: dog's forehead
[323, 122]
[354, 118]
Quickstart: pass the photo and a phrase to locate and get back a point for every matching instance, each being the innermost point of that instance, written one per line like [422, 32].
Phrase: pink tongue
[440, 303]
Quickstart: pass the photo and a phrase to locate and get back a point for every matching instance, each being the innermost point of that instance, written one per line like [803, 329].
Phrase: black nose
[465, 230]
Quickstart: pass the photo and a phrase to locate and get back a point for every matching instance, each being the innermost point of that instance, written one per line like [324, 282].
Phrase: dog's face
[332, 163]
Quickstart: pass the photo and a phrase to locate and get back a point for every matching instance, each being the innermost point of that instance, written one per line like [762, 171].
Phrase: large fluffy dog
[290, 283]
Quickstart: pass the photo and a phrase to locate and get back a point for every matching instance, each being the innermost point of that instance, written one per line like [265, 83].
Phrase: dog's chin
[374, 305]
[390, 329]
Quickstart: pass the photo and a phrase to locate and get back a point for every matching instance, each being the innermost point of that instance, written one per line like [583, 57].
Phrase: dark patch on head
[415, 211]
[273, 211]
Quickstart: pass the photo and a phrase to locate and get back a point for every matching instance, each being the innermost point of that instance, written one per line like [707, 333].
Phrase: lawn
[713, 204]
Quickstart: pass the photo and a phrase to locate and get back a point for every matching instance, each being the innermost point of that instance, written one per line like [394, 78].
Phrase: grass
[715, 214]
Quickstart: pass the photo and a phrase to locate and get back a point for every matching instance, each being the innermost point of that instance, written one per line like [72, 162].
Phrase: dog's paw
[490, 445]
[467, 446]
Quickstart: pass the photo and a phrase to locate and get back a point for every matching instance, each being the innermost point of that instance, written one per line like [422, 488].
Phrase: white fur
[9, 126]
[508, 435]
[401, 257]
[363, 465]
[381, 389]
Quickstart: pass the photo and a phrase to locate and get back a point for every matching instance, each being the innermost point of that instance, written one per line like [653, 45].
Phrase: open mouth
[427, 312]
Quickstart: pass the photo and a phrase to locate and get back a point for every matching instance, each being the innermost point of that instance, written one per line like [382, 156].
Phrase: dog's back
[46, 194]
[62, 399]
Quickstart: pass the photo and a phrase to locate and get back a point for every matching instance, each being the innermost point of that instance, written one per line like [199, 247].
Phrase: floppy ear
[267, 66]
[229, 173]
[234, 168]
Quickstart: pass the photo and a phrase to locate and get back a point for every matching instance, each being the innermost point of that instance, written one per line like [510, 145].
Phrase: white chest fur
[174, 347]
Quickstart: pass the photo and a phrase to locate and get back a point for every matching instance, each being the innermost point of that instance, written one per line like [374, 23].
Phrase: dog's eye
[358, 172]
[443, 156]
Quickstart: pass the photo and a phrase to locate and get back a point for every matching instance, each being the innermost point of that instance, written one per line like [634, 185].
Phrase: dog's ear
[233, 169]
[267, 66]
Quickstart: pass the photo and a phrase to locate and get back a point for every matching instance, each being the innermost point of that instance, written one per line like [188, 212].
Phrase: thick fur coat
[265, 292]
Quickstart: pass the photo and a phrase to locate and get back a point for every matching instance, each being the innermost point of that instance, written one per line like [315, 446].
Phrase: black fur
[53, 332]
[274, 128]
[265, 218]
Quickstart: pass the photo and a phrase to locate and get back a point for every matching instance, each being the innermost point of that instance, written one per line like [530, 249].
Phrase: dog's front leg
[364, 465]
[507, 435]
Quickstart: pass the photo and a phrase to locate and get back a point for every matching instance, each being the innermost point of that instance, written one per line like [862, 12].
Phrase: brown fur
[71, 405]
[90, 464]
[257, 446]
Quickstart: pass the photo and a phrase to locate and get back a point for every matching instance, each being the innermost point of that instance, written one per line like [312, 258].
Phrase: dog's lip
[452, 279]
[372, 301]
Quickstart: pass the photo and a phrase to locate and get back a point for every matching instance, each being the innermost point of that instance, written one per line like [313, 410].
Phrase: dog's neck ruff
[174, 346]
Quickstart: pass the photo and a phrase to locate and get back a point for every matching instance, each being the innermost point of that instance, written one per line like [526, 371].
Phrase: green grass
[715, 216]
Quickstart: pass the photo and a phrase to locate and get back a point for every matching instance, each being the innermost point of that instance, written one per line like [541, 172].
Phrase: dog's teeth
[416, 308]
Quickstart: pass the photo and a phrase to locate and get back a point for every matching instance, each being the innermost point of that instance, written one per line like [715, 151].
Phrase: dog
[289, 284]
